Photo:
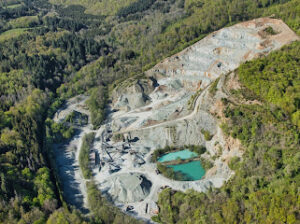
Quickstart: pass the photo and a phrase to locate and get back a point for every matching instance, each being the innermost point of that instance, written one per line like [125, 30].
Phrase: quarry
[178, 100]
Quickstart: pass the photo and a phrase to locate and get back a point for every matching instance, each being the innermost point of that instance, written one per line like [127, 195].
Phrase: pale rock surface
[128, 187]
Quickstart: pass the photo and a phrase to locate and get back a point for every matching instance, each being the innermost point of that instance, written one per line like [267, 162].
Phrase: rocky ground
[172, 106]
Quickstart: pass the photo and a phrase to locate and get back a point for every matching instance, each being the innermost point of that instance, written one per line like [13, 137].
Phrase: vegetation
[264, 188]
[24, 22]
[192, 101]
[25, 178]
[96, 104]
[13, 33]
[65, 216]
[136, 6]
[160, 152]
[117, 137]
[94, 7]
[49, 53]
[199, 149]
[84, 155]
[234, 163]
[206, 164]
[207, 135]
[276, 79]
[14, 6]
[270, 30]
[171, 174]
[213, 88]
[58, 132]
[77, 118]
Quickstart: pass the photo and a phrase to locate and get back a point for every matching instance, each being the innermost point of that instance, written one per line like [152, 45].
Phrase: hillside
[71, 68]
[264, 188]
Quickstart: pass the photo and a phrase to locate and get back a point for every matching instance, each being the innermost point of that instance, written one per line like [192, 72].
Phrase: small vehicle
[129, 208]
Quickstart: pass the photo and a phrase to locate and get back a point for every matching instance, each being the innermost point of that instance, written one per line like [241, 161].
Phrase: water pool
[192, 170]
[183, 154]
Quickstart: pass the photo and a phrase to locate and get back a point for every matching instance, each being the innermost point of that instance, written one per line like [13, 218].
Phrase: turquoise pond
[193, 170]
[183, 154]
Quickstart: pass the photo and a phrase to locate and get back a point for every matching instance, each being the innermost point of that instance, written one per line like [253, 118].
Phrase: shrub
[214, 87]
[206, 164]
[207, 135]
[270, 30]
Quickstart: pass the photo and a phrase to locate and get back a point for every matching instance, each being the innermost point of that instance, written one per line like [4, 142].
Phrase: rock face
[128, 187]
[221, 52]
[172, 82]
[134, 96]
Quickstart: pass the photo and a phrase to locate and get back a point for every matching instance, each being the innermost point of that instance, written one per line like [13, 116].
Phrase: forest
[50, 52]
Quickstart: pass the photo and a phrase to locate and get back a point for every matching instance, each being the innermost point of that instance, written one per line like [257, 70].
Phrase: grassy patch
[104, 7]
[7, 35]
[24, 22]
[14, 6]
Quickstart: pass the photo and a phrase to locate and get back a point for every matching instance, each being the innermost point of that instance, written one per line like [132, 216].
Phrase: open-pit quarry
[172, 106]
